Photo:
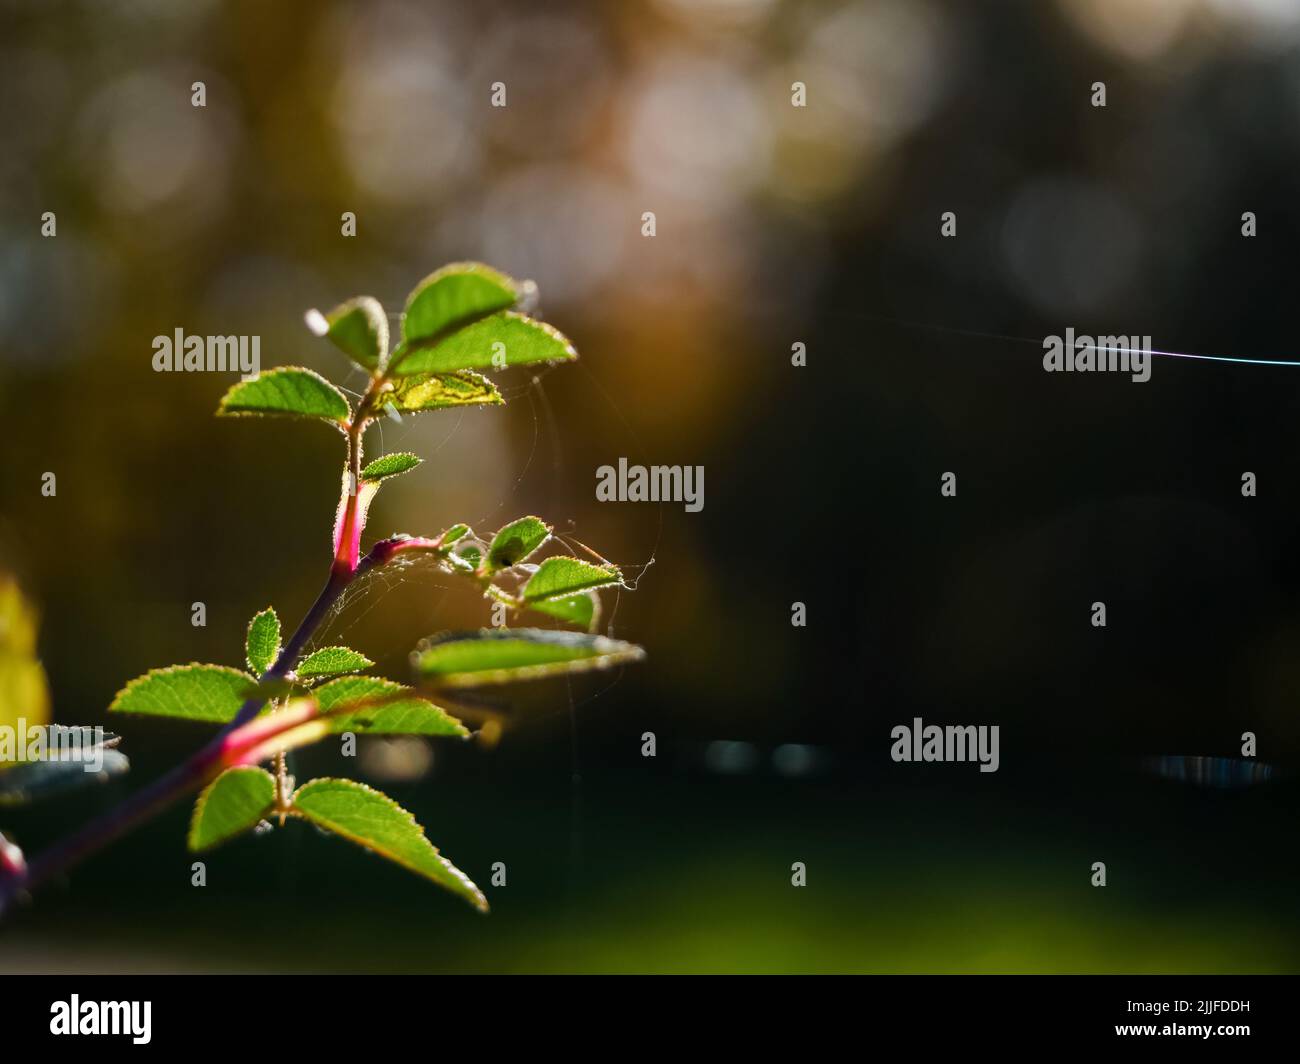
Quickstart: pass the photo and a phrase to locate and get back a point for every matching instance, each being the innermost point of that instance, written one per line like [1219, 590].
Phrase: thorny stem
[204, 765]
[283, 786]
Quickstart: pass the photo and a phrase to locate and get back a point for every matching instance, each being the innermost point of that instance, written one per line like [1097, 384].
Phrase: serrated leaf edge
[344, 673]
[614, 573]
[112, 706]
[201, 803]
[478, 900]
[396, 472]
[339, 423]
[279, 641]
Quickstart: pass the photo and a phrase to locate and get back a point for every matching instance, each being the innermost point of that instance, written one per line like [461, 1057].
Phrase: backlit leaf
[453, 296]
[289, 391]
[580, 610]
[374, 821]
[516, 541]
[209, 693]
[437, 391]
[560, 577]
[504, 339]
[331, 660]
[390, 465]
[452, 534]
[358, 328]
[466, 555]
[389, 709]
[506, 655]
[235, 802]
[262, 646]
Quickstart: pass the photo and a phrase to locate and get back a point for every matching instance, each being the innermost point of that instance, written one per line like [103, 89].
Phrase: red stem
[188, 776]
[200, 767]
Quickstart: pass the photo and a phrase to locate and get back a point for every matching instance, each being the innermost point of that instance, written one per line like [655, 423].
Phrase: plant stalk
[188, 776]
[206, 763]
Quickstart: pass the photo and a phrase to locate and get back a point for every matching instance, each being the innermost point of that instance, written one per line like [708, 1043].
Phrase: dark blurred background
[775, 225]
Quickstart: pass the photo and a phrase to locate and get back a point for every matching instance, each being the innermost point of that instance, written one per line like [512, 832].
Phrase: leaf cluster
[458, 322]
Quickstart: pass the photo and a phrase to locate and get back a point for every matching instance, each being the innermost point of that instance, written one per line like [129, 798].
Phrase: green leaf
[390, 465]
[560, 577]
[209, 693]
[358, 328]
[581, 609]
[507, 655]
[262, 646]
[374, 821]
[394, 710]
[453, 296]
[452, 534]
[437, 391]
[235, 802]
[466, 558]
[523, 340]
[516, 541]
[289, 391]
[331, 660]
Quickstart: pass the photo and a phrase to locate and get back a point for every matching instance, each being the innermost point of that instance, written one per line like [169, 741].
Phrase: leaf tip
[317, 323]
